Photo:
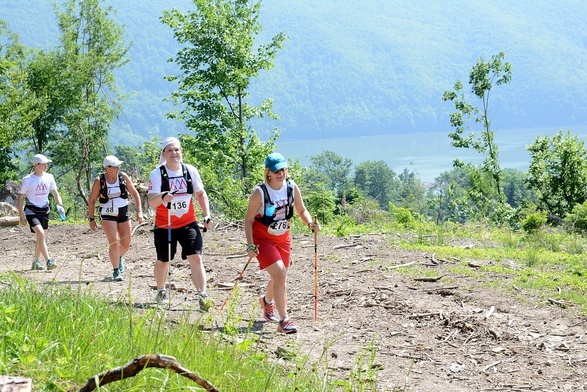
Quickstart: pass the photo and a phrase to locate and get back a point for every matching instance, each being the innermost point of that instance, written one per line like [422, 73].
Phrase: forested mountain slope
[361, 68]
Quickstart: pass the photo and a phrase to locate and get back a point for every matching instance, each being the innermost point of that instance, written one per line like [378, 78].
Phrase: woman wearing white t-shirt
[171, 188]
[112, 189]
[35, 190]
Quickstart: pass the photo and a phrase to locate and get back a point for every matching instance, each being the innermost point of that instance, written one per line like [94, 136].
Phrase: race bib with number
[279, 227]
[180, 204]
[109, 210]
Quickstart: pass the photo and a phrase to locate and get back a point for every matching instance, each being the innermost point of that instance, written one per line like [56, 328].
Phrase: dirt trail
[451, 334]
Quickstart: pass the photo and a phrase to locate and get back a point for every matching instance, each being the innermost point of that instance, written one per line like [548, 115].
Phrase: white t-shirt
[177, 183]
[37, 189]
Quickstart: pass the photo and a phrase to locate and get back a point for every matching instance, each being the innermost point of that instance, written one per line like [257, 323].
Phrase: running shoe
[269, 311]
[286, 326]
[121, 265]
[204, 301]
[117, 275]
[162, 297]
[37, 265]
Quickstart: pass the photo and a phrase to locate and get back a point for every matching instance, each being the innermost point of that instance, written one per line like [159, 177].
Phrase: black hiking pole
[240, 277]
[169, 244]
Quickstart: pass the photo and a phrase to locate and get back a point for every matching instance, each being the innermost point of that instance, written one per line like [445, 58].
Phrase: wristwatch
[91, 219]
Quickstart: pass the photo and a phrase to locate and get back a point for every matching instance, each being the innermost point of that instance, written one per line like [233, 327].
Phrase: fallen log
[135, 366]
[15, 384]
[9, 221]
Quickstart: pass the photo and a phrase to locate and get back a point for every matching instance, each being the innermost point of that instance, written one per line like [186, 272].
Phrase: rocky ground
[430, 329]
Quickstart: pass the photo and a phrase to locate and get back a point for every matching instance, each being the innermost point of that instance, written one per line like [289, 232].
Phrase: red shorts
[271, 248]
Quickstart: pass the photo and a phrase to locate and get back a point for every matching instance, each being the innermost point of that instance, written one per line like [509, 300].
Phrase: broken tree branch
[486, 368]
[430, 291]
[402, 265]
[558, 303]
[133, 368]
[346, 246]
[490, 312]
[429, 278]
[139, 225]
[420, 315]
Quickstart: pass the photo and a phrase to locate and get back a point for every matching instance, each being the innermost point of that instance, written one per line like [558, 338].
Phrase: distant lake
[427, 154]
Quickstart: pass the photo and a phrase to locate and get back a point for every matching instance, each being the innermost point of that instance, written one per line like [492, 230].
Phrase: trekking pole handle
[164, 194]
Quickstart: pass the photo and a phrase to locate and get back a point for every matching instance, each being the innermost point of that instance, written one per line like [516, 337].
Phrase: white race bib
[109, 210]
[180, 204]
[279, 227]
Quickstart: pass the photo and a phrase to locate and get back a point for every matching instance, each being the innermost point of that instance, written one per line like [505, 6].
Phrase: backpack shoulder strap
[122, 185]
[188, 177]
[266, 198]
[290, 200]
[103, 189]
[164, 179]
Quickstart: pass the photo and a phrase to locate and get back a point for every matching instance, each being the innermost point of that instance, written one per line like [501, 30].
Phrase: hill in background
[362, 68]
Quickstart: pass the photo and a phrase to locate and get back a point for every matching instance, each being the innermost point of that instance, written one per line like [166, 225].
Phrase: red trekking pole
[240, 277]
[315, 272]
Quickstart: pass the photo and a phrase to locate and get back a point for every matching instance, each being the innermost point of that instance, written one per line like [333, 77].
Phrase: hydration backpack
[104, 188]
[165, 179]
[268, 219]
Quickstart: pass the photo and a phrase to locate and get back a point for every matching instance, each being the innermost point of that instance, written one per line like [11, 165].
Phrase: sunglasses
[279, 171]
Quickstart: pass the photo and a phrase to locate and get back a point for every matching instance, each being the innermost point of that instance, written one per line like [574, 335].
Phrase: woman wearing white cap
[111, 189]
[171, 188]
[271, 206]
[36, 188]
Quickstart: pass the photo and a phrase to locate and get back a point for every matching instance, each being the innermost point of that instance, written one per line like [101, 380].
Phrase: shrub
[367, 211]
[402, 216]
[533, 221]
[577, 219]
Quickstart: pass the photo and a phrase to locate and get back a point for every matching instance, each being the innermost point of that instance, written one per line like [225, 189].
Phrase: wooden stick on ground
[402, 265]
[558, 303]
[133, 368]
[140, 225]
[429, 278]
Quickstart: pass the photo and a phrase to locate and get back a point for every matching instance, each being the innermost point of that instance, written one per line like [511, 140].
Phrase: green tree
[91, 48]
[447, 197]
[377, 181]
[411, 192]
[18, 106]
[218, 59]
[558, 172]
[483, 77]
[515, 189]
[333, 168]
[45, 80]
[462, 194]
